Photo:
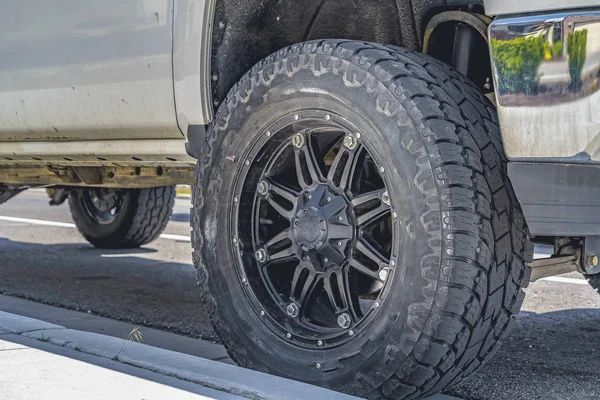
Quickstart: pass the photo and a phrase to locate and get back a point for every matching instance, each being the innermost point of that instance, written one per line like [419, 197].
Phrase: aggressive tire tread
[477, 235]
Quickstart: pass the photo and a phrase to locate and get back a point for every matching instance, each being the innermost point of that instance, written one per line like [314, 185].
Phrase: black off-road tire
[142, 216]
[463, 273]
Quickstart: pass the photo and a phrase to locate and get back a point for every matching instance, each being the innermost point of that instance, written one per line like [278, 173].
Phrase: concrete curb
[211, 374]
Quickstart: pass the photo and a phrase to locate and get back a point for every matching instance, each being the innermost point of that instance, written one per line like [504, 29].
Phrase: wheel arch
[246, 31]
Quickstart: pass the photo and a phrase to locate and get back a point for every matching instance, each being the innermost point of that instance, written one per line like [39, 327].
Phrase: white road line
[69, 225]
[560, 279]
[38, 222]
[176, 237]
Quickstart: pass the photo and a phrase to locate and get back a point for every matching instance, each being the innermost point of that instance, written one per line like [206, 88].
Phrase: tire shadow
[136, 285]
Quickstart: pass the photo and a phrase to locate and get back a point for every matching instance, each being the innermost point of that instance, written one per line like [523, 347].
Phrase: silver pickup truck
[369, 177]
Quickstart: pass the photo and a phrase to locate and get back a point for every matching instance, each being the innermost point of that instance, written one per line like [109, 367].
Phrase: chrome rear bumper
[547, 79]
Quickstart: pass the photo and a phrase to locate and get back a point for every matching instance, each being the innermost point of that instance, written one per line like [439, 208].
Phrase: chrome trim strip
[547, 78]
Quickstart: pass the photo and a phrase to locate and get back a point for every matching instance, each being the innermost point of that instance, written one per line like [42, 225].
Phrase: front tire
[455, 267]
[121, 219]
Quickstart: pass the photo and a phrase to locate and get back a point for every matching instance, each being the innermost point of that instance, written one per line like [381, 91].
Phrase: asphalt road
[553, 351]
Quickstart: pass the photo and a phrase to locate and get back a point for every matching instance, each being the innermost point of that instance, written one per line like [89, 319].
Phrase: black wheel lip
[337, 338]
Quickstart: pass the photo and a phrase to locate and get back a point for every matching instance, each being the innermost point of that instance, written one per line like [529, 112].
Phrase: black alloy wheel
[313, 228]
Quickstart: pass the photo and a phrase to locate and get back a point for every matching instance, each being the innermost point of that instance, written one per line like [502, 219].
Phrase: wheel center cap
[310, 227]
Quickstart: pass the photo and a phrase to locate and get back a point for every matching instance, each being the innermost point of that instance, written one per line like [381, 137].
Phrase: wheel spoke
[281, 236]
[288, 214]
[368, 251]
[359, 266]
[344, 166]
[282, 254]
[306, 161]
[284, 192]
[367, 197]
[372, 215]
[304, 286]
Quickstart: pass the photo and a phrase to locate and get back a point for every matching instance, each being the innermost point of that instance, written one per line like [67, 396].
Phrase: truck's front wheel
[353, 225]
[114, 218]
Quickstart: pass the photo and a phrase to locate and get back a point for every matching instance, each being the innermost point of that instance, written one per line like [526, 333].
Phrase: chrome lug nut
[298, 140]
[261, 255]
[376, 305]
[593, 260]
[262, 313]
[262, 188]
[383, 274]
[318, 366]
[351, 332]
[344, 321]
[288, 335]
[339, 244]
[385, 198]
[320, 343]
[292, 310]
[350, 142]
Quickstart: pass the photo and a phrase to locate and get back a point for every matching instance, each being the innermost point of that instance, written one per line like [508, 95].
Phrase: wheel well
[246, 31]
[459, 38]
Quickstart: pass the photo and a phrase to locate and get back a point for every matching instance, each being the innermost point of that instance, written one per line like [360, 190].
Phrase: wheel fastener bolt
[593, 260]
[385, 198]
[292, 310]
[395, 214]
[327, 117]
[328, 199]
[339, 244]
[263, 187]
[326, 260]
[392, 263]
[350, 141]
[376, 305]
[261, 255]
[262, 313]
[357, 135]
[344, 321]
[318, 366]
[288, 335]
[340, 218]
[381, 169]
[244, 280]
[268, 133]
[298, 140]
[296, 117]
[234, 240]
[383, 274]
[351, 332]
[247, 162]
[215, 77]
[320, 343]
[235, 199]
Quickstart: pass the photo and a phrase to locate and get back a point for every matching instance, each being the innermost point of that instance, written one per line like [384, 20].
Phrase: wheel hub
[321, 222]
[310, 228]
